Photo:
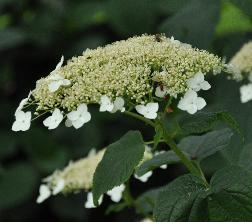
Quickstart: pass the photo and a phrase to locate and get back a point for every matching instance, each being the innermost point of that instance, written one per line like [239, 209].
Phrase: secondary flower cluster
[125, 74]
[242, 61]
[78, 176]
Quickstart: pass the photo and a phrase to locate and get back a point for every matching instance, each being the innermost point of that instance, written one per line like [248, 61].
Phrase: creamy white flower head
[90, 203]
[116, 193]
[106, 104]
[161, 92]
[246, 93]
[149, 110]
[59, 186]
[23, 102]
[54, 120]
[44, 193]
[118, 105]
[78, 117]
[197, 82]
[144, 178]
[191, 102]
[22, 122]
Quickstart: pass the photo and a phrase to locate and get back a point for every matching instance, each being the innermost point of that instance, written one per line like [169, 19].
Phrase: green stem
[151, 142]
[201, 173]
[147, 121]
[127, 195]
[184, 159]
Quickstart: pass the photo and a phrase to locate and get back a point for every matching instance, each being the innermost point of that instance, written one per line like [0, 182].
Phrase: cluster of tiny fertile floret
[242, 60]
[77, 175]
[135, 73]
[127, 69]
[242, 64]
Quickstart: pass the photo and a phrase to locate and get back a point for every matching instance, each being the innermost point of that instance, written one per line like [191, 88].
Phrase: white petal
[73, 115]
[60, 63]
[246, 93]
[141, 109]
[164, 166]
[89, 203]
[54, 120]
[201, 103]
[150, 115]
[106, 104]
[82, 108]
[44, 193]
[145, 177]
[22, 122]
[191, 108]
[116, 193]
[153, 107]
[65, 82]
[81, 121]
[118, 105]
[161, 92]
[68, 123]
[59, 187]
[54, 86]
[205, 85]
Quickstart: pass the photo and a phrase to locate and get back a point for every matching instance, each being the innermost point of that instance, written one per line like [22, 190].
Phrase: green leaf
[246, 157]
[175, 201]
[158, 160]
[231, 198]
[232, 20]
[245, 5]
[17, 185]
[197, 30]
[200, 147]
[186, 199]
[146, 202]
[205, 121]
[118, 163]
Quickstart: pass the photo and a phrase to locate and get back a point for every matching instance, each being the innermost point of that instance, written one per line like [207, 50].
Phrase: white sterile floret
[90, 203]
[59, 186]
[149, 110]
[79, 117]
[118, 105]
[144, 178]
[106, 104]
[197, 82]
[22, 122]
[54, 120]
[246, 93]
[191, 102]
[116, 193]
[23, 102]
[161, 92]
[44, 193]
[55, 79]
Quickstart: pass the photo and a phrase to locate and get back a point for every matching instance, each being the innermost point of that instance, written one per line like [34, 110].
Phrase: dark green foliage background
[33, 36]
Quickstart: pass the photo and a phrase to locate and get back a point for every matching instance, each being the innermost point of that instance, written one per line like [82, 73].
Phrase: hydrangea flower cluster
[242, 62]
[78, 176]
[127, 74]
